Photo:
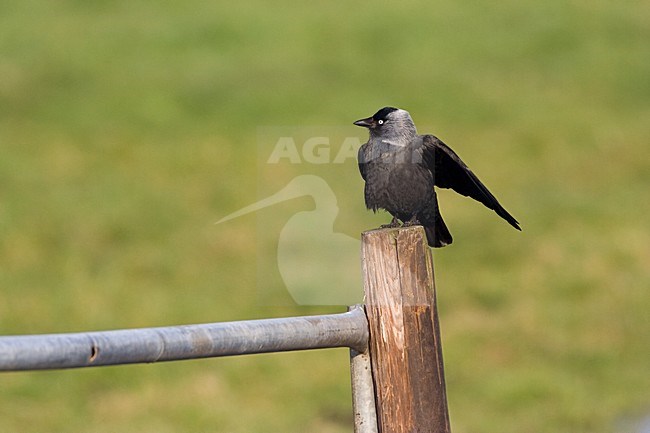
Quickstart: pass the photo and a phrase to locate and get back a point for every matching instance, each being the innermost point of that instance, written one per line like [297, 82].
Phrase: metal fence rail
[89, 349]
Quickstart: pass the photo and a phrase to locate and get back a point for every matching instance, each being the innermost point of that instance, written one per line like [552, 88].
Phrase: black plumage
[401, 168]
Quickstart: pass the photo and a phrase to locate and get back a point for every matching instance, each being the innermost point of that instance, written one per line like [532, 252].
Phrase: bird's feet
[393, 223]
[412, 222]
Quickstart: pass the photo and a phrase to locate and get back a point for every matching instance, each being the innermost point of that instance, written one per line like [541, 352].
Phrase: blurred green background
[128, 128]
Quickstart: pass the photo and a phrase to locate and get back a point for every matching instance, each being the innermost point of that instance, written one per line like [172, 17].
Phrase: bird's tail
[438, 234]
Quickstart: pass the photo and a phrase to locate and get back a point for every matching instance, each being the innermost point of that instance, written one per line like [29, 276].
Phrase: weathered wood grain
[405, 347]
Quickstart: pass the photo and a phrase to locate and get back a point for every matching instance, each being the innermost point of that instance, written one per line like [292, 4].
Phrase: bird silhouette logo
[318, 265]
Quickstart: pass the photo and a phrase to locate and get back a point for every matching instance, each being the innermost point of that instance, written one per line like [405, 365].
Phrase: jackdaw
[401, 168]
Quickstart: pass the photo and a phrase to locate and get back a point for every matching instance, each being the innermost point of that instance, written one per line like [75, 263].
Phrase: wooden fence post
[405, 347]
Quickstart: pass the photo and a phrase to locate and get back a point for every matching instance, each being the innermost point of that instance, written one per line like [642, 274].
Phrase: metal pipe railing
[89, 349]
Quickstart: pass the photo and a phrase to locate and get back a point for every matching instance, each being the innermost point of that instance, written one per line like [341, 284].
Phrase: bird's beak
[366, 123]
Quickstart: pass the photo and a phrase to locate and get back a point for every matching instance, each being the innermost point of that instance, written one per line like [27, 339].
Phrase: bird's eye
[381, 122]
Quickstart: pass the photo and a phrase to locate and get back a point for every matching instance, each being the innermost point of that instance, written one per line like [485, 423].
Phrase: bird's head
[389, 123]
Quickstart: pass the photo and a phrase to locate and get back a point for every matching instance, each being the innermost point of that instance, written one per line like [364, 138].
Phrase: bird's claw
[393, 224]
[412, 222]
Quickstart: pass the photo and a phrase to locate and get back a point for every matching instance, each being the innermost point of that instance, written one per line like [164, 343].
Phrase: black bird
[401, 168]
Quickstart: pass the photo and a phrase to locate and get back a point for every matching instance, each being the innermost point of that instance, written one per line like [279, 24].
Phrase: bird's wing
[361, 158]
[451, 172]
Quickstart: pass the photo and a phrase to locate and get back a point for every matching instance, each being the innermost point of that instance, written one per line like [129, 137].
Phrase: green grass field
[128, 128]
